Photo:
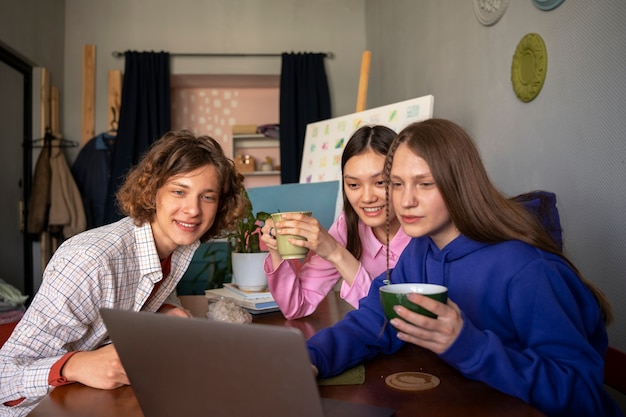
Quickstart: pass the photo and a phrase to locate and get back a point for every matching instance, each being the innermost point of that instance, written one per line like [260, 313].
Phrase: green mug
[394, 294]
[285, 248]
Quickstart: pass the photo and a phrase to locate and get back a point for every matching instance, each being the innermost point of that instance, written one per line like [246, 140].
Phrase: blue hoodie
[531, 328]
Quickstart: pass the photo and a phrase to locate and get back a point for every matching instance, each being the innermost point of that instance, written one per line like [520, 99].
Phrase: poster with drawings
[325, 140]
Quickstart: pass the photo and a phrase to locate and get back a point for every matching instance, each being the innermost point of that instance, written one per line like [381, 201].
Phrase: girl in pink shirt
[353, 249]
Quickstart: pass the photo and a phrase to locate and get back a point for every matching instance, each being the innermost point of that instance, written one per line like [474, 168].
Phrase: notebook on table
[199, 367]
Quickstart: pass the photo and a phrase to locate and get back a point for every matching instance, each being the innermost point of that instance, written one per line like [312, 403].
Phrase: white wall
[196, 26]
[570, 140]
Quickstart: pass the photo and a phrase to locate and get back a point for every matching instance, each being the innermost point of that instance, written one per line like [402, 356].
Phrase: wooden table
[455, 396]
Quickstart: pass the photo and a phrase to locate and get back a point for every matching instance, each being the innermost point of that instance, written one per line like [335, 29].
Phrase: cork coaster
[412, 381]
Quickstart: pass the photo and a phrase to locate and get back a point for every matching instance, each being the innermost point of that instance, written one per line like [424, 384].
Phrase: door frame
[26, 69]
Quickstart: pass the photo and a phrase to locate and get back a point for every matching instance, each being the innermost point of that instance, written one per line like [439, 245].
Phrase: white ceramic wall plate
[488, 12]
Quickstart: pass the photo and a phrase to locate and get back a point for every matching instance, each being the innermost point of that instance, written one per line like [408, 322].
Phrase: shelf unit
[260, 173]
[254, 141]
[259, 147]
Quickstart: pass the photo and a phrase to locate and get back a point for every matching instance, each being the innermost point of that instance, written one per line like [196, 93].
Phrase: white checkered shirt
[113, 266]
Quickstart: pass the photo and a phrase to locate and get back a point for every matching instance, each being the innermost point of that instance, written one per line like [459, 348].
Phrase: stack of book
[253, 301]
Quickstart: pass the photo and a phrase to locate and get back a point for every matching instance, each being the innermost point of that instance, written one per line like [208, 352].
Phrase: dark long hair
[476, 207]
[377, 138]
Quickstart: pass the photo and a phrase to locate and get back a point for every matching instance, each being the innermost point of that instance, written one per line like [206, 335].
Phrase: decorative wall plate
[547, 4]
[529, 67]
[488, 12]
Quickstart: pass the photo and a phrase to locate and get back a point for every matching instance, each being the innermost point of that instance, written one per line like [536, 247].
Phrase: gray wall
[35, 30]
[570, 140]
[233, 26]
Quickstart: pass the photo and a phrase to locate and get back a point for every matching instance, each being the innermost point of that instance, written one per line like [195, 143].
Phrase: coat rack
[50, 140]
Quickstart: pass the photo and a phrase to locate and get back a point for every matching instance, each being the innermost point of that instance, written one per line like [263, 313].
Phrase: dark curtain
[145, 115]
[304, 98]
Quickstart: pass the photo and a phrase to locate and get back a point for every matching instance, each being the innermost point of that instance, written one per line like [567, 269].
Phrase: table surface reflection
[456, 395]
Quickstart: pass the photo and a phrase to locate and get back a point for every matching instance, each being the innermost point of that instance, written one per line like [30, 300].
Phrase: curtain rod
[118, 54]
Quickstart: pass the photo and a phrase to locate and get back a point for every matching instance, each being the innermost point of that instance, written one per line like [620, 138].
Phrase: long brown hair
[180, 152]
[377, 138]
[476, 207]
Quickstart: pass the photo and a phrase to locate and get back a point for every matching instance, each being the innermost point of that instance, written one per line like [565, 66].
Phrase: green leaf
[242, 238]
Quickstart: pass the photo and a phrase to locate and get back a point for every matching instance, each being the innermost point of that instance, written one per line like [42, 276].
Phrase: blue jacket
[531, 328]
[91, 171]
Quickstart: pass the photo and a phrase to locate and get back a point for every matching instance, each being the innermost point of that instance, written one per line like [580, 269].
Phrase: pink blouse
[299, 286]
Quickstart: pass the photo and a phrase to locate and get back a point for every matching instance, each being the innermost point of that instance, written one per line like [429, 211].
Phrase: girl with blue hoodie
[520, 317]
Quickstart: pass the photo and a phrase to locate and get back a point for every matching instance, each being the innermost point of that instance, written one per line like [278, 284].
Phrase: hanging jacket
[39, 199]
[66, 207]
[91, 170]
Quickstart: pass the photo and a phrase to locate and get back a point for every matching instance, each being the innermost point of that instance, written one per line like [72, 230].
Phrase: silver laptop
[199, 367]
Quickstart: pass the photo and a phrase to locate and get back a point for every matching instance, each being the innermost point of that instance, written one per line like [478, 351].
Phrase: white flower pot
[248, 272]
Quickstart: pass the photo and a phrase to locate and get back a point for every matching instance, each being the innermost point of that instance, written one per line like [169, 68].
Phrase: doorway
[16, 255]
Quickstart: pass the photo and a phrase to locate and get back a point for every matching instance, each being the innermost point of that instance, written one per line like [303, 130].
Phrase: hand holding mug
[286, 233]
[268, 235]
[426, 318]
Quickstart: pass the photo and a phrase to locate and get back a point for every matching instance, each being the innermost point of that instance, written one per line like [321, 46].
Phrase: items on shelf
[271, 130]
[244, 129]
[245, 163]
[256, 156]
[267, 165]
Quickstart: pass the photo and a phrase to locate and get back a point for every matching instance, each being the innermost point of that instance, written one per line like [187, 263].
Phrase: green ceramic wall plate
[529, 67]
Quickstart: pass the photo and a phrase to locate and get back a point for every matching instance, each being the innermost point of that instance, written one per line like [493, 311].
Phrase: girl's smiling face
[364, 186]
[186, 206]
[417, 201]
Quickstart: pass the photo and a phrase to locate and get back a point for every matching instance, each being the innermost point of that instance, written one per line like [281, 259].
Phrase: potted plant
[247, 257]
[245, 237]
